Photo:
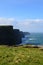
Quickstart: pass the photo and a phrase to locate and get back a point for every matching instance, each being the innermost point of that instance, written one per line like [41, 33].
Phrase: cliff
[10, 36]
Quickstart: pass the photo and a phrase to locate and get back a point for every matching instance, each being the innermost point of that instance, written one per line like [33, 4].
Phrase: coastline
[31, 46]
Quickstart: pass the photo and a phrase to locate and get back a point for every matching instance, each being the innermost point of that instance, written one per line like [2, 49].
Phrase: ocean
[33, 38]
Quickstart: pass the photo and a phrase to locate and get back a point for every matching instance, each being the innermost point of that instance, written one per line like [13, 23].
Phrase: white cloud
[38, 20]
[30, 24]
[6, 21]
[22, 25]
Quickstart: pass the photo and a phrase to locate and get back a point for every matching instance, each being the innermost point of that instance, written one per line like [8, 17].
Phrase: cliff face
[9, 36]
[6, 33]
[22, 34]
[26, 33]
[17, 36]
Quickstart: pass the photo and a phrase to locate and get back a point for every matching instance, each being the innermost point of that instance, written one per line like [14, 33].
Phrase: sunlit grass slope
[10, 55]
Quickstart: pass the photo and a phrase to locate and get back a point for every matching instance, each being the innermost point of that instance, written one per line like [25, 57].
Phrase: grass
[10, 55]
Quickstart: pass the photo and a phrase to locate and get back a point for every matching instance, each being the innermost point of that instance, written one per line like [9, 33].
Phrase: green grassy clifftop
[20, 55]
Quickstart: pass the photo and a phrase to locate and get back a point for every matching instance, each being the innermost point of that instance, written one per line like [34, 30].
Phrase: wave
[32, 39]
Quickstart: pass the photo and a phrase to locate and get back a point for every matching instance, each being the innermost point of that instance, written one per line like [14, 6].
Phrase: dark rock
[6, 34]
[10, 36]
[22, 34]
[17, 36]
[26, 33]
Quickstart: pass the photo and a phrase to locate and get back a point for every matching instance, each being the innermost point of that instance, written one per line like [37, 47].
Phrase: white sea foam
[32, 39]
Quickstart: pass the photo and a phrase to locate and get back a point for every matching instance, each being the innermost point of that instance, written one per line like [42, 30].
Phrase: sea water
[33, 38]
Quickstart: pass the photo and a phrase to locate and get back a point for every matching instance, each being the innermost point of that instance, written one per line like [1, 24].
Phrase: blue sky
[27, 15]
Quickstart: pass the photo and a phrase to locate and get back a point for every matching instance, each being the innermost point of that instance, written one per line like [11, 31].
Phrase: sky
[26, 15]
